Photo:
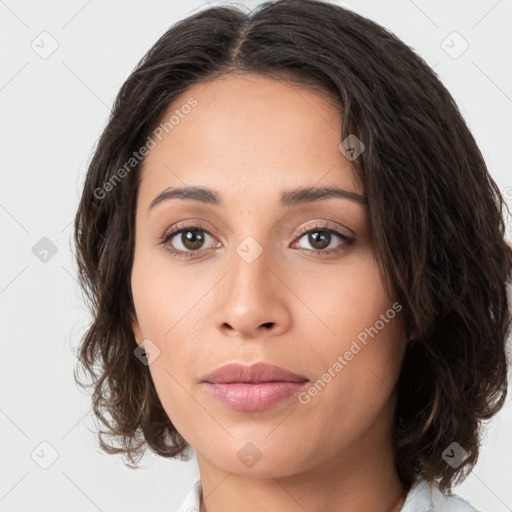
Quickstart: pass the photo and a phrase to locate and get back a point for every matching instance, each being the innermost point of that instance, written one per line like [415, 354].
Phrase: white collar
[422, 497]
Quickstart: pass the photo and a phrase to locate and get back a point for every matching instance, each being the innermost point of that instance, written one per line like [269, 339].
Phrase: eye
[189, 239]
[323, 240]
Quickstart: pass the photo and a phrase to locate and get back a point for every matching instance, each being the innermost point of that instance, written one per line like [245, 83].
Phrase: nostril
[268, 324]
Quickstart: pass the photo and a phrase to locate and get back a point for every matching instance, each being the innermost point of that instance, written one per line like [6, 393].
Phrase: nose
[252, 299]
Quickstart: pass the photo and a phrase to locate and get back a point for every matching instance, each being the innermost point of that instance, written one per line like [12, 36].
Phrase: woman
[295, 258]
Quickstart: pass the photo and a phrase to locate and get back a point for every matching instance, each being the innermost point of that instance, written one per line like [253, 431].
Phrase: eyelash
[175, 230]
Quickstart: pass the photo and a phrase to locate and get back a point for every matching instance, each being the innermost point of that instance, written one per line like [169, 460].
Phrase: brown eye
[192, 239]
[323, 240]
[319, 239]
[187, 239]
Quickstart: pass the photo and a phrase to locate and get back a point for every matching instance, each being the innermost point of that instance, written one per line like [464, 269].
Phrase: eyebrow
[288, 198]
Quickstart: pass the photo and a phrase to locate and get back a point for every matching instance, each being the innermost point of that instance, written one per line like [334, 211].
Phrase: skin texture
[250, 138]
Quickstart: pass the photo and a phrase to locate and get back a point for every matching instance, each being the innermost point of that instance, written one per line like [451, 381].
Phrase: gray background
[53, 108]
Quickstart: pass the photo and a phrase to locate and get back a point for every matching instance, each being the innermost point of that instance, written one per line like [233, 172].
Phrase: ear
[137, 331]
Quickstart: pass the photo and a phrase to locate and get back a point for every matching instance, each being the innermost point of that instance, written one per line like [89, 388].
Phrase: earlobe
[137, 331]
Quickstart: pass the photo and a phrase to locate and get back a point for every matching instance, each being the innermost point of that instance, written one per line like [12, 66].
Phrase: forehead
[250, 133]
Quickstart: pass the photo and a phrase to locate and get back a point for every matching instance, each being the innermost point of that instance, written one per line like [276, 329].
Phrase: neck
[311, 492]
[360, 480]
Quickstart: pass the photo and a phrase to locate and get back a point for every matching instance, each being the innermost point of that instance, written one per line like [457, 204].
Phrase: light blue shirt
[422, 497]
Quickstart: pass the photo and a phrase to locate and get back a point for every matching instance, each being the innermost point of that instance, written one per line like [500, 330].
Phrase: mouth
[255, 374]
[252, 388]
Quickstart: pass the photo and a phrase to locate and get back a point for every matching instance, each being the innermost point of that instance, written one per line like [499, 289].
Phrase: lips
[252, 388]
[255, 373]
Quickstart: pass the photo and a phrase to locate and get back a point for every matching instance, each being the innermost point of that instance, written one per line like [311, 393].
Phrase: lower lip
[253, 397]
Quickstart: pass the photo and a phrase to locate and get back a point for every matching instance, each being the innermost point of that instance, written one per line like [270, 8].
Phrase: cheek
[346, 300]
[164, 298]
[356, 395]
[167, 304]
[169, 375]
[358, 358]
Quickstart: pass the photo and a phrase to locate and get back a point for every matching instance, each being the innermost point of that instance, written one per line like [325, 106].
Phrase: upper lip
[257, 372]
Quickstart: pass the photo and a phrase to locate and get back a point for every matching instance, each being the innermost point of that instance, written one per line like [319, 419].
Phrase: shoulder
[425, 497]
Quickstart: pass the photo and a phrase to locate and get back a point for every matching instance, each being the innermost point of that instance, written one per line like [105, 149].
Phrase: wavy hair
[436, 219]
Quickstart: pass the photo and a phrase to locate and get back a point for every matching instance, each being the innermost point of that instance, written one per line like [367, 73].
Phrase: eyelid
[190, 224]
[327, 225]
[318, 224]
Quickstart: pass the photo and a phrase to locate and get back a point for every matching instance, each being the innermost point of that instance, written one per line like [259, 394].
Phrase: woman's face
[263, 274]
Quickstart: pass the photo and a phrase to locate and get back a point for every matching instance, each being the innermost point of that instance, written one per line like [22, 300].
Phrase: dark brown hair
[435, 213]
